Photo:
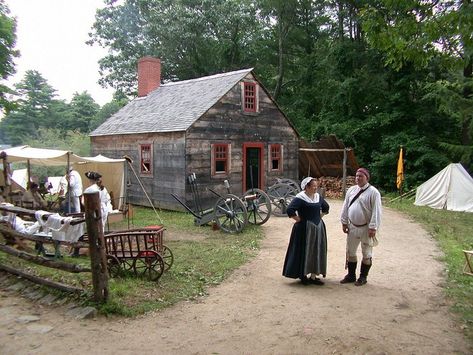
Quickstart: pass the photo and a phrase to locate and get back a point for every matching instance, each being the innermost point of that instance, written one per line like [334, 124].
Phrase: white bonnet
[306, 181]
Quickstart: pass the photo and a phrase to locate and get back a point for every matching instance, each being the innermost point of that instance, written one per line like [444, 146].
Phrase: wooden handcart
[140, 251]
[230, 212]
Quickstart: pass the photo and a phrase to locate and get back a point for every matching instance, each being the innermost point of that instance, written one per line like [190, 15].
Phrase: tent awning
[40, 156]
[112, 170]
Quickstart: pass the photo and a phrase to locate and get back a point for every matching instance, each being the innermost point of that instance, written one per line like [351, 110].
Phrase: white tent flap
[112, 170]
[451, 189]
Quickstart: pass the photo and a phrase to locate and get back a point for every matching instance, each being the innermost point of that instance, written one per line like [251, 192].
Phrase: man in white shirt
[75, 189]
[361, 218]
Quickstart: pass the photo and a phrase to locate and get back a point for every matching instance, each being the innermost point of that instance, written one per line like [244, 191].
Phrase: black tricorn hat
[93, 175]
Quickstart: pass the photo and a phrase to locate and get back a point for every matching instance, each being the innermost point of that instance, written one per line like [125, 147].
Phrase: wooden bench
[468, 268]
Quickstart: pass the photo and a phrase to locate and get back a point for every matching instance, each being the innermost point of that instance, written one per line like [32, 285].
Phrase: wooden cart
[140, 251]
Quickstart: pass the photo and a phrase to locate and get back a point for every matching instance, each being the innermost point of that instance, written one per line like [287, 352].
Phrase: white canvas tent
[112, 170]
[451, 189]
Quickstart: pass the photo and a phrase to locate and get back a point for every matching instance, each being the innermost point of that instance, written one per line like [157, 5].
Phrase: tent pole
[344, 183]
[28, 174]
[68, 179]
[143, 188]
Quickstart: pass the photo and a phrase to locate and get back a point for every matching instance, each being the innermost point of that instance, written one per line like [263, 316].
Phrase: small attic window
[146, 159]
[250, 97]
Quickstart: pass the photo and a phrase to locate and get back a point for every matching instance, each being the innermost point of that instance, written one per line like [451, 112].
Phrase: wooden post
[344, 183]
[98, 259]
[6, 175]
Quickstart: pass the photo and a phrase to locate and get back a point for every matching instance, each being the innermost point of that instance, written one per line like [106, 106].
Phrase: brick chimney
[149, 75]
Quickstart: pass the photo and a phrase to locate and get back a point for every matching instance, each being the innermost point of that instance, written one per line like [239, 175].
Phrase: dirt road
[256, 311]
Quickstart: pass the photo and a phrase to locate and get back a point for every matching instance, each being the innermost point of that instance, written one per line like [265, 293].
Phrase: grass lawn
[197, 265]
[454, 233]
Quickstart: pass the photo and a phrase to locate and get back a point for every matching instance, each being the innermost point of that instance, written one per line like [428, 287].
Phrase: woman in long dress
[307, 250]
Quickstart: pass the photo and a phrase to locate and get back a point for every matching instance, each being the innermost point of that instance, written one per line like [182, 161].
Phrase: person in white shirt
[360, 218]
[96, 184]
[75, 185]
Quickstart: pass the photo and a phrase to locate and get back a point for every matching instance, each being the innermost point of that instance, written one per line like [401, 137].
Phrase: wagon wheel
[167, 256]
[258, 206]
[281, 196]
[230, 214]
[113, 266]
[291, 182]
[127, 264]
[148, 263]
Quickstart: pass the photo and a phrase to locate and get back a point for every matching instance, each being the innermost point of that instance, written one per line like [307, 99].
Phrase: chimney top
[149, 75]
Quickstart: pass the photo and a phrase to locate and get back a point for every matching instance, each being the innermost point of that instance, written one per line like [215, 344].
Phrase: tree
[7, 52]
[193, 39]
[108, 110]
[34, 100]
[418, 32]
[83, 110]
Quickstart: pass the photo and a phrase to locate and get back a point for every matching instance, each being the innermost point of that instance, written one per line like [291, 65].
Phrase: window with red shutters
[146, 159]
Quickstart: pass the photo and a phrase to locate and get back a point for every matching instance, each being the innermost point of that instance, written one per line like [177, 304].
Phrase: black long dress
[307, 250]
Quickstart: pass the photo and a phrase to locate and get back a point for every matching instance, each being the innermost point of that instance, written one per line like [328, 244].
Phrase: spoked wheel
[113, 266]
[281, 196]
[127, 264]
[149, 264]
[168, 257]
[291, 182]
[258, 206]
[230, 214]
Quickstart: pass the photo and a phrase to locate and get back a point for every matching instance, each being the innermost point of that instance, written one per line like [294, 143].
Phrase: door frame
[261, 164]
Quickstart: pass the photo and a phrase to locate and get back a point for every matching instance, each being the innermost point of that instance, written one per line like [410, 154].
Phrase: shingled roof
[172, 107]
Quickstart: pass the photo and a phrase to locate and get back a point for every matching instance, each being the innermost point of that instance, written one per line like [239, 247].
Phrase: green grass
[198, 265]
[454, 233]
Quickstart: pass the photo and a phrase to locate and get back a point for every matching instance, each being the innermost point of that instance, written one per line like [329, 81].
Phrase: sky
[51, 37]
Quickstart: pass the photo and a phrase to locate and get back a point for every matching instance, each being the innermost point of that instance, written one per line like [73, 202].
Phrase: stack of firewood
[334, 186]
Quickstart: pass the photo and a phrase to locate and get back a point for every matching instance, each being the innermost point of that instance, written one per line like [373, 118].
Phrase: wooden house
[220, 127]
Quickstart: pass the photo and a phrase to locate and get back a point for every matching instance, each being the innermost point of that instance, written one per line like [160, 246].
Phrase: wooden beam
[324, 149]
[40, 281]
[10, 232]
[43, 261]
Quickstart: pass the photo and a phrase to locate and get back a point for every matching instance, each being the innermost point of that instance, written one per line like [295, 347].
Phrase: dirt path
[256, 311]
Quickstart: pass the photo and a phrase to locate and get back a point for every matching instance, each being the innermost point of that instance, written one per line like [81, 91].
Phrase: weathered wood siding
[178, 154]
[226, 122]
[168, 173]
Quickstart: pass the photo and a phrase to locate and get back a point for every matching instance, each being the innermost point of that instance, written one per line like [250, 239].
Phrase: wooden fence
[95, 244]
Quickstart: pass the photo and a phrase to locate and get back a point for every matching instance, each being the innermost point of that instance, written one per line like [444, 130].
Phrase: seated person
[33, 199]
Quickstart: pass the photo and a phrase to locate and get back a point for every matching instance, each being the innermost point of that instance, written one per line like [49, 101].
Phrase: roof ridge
[209, 77]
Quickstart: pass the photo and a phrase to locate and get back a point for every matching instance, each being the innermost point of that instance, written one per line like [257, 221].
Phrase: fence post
[98, 259]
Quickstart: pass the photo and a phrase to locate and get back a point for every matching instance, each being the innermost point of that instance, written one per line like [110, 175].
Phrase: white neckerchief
[303, 196]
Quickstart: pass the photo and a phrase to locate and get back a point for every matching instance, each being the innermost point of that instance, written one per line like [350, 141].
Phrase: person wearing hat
[96, 185]
[360, 218]
[33, 199]
[307, 250]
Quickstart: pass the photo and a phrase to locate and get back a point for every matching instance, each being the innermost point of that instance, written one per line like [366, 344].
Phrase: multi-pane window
[146, 159]
[220, 159]
[275, 157]
[249, 97]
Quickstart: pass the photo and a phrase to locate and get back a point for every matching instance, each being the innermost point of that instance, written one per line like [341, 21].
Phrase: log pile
[334, 186]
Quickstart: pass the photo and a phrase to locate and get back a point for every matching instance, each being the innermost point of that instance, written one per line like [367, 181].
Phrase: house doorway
[252, 166]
